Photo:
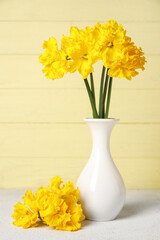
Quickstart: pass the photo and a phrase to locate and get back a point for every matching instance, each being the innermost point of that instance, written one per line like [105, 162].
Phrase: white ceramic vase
[102, 191]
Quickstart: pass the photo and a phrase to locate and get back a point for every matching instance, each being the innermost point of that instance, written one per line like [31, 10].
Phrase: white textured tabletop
[139, 220]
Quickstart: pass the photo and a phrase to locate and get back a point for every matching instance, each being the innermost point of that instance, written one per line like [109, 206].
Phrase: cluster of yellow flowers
[55, 205]
[107, 42]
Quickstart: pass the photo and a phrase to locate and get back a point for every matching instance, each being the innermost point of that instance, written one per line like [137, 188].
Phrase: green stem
[104, 93]
[92, 86]
[101, 92]
[108, 98]
[95, 114]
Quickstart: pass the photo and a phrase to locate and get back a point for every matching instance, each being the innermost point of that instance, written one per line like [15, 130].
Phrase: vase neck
[101, 130]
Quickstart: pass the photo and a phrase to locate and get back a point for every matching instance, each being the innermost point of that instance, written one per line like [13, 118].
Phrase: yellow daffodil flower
[54, 60]
[58, 205]
[79, 47]
[128, 62]
[26, 216]
[111, 39]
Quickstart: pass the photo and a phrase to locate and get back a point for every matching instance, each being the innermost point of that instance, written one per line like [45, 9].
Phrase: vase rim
[101, 119]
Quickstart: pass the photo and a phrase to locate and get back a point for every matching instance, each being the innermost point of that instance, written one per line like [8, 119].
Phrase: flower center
[68, 58]
[84, 56]
[110, 44]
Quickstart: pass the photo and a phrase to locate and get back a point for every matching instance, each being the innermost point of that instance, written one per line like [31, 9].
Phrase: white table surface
[139, 220]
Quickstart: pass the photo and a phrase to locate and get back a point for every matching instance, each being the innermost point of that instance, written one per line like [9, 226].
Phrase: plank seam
[73, 21]
[38, 54]
[75, 123]
[74, 88]
[71, 157]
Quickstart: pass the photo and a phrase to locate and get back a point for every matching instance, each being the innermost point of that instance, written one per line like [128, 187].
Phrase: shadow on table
[85, 223]
[138, 207]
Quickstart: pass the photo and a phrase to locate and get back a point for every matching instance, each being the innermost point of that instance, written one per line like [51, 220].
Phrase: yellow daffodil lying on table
[55, 206]
[107, 42]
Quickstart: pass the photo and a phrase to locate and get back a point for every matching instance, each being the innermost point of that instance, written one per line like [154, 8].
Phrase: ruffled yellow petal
[30, 200]
[55, 184]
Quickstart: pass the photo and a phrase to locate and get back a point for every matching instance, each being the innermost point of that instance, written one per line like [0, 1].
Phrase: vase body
[102, 191]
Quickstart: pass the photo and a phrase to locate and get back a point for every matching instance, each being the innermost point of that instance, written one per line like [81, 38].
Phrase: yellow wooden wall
[42, 133]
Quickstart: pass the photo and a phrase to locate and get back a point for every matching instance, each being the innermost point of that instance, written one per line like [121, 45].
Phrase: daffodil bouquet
[55, 206]
[83, 48]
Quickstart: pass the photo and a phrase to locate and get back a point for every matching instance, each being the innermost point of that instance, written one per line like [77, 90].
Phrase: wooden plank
[139, 173]
[25, 72]
[34, 172]
[81, 10]
[72, 105]
[29, 172]
[28, 37]
[74, 140]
